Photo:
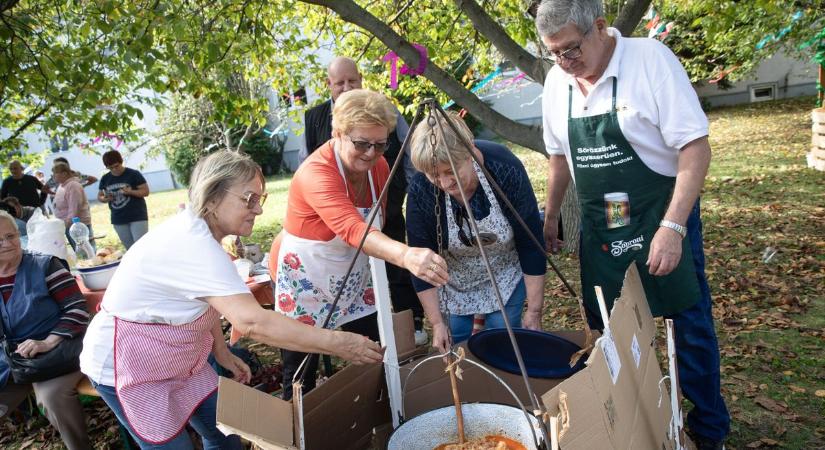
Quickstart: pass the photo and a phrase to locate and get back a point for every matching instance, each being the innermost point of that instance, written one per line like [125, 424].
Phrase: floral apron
[310, 274]
[469, 290]
[162, 374]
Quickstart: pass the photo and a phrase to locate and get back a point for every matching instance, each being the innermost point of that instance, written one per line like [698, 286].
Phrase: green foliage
[188, 131]
[71, 67]
[710, 36]
[451, 40]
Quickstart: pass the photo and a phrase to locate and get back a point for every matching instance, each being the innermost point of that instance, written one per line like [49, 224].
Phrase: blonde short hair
[422, 152]
[217, 172]
[362, 108]
[9, 218]
[61, 167]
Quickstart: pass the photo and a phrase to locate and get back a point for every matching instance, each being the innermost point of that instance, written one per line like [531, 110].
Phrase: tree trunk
[570, 219]
[529, 136]
[630, 15]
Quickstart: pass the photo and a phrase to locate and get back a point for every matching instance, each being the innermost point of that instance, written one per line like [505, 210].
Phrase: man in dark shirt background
[343, 76]
[25, 188]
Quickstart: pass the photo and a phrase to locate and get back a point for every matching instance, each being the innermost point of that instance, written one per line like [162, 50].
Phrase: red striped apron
[161, 373]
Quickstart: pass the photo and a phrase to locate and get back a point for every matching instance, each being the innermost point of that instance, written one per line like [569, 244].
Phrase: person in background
[85, 180]
[517, 264]
[125, 190]
[26, 188]
[622, 120]
[42, 305]
[343, 76]
[45, 204]
[21, 213]
[330, 197]
[146, 351]
[70, 201]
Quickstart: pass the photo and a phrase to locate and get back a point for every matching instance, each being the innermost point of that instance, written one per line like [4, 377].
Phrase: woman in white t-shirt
[146, 350]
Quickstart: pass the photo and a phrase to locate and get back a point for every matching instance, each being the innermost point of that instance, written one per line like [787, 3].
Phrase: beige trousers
[58, 397]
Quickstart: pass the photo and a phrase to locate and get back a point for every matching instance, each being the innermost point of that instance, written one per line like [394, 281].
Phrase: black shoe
[703, 443]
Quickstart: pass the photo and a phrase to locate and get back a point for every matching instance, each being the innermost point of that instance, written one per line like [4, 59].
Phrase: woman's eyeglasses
[251, 198]
[364, 146]
[10, 238]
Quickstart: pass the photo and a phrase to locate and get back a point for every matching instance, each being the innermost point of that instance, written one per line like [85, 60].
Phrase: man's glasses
[10, 238]
[571, 53]
[364, 146]
[467, 237]
[251, 199]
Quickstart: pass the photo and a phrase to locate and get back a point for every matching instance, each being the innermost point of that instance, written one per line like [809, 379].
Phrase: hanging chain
[439, 231]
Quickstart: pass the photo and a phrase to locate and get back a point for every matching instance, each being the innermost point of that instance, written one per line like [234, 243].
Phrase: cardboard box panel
[629, 410]
[262, 419]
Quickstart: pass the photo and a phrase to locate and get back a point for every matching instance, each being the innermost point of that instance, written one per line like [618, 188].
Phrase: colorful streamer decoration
[658, 29]
[113, 137]
[776, 37]
[722, 74]
[477, 87]
[411, 72]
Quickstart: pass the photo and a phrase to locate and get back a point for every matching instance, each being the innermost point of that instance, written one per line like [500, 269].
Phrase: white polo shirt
[658, 110]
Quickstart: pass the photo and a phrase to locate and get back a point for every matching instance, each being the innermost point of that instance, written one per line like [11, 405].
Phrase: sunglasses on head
[364, 146]
[467, 238]
[251, 199]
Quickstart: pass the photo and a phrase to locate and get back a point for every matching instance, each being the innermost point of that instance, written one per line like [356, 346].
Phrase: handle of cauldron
[458, 414]
[484, 369]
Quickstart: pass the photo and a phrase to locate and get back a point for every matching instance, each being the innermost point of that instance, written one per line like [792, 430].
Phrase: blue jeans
[461, 327]
[130, 232]
[202, 420]
[696, 348]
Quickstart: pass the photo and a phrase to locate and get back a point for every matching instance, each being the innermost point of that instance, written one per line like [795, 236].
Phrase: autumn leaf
[770, 404]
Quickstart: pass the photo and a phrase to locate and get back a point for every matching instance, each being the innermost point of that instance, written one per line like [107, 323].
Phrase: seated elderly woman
[330, 196]
[146, 350]
[70, 200]
[517, 264]
[42, 305]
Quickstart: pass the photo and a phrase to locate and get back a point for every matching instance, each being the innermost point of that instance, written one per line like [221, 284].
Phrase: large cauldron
[433, 428]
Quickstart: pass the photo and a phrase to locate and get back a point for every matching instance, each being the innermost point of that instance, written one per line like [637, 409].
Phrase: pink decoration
[392, 57]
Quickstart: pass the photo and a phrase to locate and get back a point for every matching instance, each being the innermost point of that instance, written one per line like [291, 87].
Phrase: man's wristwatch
[681, 229]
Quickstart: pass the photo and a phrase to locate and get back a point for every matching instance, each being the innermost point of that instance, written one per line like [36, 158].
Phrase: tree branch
[525, 135]
[497, 35]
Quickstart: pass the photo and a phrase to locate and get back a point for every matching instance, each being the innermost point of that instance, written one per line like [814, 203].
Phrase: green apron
[622, 202]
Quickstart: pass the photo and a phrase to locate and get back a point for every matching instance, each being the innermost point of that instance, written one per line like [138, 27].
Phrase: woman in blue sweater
[517, 264]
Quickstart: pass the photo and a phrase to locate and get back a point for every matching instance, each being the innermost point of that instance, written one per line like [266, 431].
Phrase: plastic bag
[48, 236]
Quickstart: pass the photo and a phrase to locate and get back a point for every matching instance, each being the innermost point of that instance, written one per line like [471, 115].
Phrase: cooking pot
[439, 426]
[436, 427]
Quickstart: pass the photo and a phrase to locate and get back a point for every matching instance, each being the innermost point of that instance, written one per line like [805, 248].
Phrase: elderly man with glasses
[623, 121]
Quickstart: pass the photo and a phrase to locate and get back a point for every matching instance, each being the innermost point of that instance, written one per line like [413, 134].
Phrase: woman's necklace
[362, 191]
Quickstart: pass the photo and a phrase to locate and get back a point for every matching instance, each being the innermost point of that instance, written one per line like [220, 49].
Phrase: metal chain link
[439, 232]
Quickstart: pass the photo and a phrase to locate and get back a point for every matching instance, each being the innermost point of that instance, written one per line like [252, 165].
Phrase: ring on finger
[433, 267]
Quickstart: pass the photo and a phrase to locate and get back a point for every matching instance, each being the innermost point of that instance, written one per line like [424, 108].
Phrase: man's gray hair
[553, 15]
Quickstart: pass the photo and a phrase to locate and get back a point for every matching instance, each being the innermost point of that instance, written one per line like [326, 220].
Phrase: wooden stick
[458, 414]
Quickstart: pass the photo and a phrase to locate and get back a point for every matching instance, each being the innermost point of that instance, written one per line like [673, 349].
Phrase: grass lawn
[770, 315]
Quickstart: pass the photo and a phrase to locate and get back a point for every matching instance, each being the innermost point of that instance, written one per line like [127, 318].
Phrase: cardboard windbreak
[340, 413]
[616, 400]
[351, 409]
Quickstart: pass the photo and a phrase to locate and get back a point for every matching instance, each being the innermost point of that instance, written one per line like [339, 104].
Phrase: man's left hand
[665, 252]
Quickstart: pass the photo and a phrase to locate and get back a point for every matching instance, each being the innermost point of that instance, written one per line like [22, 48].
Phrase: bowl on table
[97, 278]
